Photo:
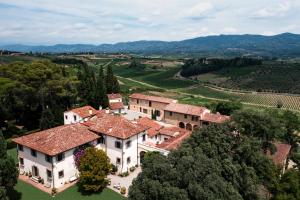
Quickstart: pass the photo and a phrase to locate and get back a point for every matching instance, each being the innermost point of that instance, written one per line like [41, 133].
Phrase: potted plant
[123, 190]
[53, 192]
[29, 175]
[114, 169]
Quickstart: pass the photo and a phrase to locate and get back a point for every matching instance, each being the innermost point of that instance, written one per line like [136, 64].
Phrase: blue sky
[109, 21]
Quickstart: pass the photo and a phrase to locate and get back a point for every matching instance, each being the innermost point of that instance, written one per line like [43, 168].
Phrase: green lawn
[24, 191]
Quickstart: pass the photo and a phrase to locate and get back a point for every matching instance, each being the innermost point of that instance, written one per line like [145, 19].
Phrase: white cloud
[278, 10]
[110, 21]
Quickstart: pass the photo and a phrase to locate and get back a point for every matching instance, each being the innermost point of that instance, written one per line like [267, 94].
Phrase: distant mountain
[283, 45]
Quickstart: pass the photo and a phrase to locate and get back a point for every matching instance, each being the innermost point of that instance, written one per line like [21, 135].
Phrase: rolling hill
[282, 45]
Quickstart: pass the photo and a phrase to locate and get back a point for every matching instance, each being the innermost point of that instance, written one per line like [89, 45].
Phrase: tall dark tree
[47, 120]
[101, 95]
[8, 170]
[109, 79]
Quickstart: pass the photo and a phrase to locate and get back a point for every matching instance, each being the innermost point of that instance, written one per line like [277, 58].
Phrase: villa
[49, 155]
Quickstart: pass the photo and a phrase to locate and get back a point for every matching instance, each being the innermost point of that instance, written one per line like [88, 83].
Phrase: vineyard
[265, 99]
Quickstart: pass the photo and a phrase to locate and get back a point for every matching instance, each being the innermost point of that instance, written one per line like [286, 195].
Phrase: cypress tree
[109, 79]
[47, 120]
[101, 95]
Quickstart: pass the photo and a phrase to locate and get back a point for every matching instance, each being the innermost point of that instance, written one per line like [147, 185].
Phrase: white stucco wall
[38, 161]
[115, 100]
[69, 118]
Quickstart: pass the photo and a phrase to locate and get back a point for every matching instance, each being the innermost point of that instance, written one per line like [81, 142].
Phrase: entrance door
[35, 171]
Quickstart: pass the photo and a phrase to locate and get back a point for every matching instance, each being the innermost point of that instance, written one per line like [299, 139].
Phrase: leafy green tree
[227, 108]
[289, 186]
[94, 167]
[212, 164]
[260, 125]
[8, 170]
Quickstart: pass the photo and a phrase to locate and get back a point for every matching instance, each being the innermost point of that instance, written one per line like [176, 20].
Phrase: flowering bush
[78, 153]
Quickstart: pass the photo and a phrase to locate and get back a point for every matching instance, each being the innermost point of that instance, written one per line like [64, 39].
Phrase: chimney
[106, 111]
[90, 111]
[100, 107]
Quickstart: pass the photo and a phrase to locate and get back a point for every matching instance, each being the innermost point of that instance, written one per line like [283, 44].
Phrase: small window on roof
[118, 144]
[75, 118]
[60, 157]
[33, 152]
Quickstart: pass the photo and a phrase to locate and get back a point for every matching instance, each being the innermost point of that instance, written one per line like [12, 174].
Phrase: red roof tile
[186, 109]
[59, 139]
[85, 111]
[116, 105]
[116, 126]
[281, 154]
[152, 98]
[215, 118]
[114, 96]
[173, 131]
[154, 127]
[174, 142]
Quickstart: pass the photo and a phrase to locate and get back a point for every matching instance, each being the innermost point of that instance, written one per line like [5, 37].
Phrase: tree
[109, 79]
[212, 164]
[227, 108]
[8, 170]
[101, 89]
[112, 84]
[288, 187]
[94, 167]
[47, 120]
[260, 125]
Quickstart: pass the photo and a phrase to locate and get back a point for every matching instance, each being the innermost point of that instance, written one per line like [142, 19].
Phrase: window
[155, 137]
[75, 117]
[196, 118]
[21, 160]
[49, 173]
[60, 157]
[61, 174]
[66, 116]
[20, 147]
[140, 109]
[150, 103]
[144, 138]
[185, 116]
[48, 158]
[33, 152]
[118, 161]
[170, 113]
[118, 144]
[101, 140]
[128, 160]
[145, 111]
[128, 144]
[157, 113]
[137, 101]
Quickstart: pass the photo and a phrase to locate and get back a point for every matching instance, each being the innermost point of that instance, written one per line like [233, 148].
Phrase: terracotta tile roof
[59, 139]
[152, 98]
[116, 126]
[173, 131]
[116, 105]
[154, 127]
[281, 154]
[114, 96]
[85, 111]
[174, 142]
[186, 109]
[215, 118]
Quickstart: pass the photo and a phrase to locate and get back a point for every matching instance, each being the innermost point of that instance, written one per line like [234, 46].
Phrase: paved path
[124, 181]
